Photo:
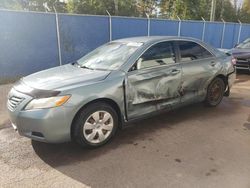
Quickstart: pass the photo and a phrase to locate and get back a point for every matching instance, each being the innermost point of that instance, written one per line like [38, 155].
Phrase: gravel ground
[192, 147]
[4, 89]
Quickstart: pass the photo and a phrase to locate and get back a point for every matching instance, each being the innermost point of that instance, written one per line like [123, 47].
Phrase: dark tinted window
[192, 51]
[159, 54]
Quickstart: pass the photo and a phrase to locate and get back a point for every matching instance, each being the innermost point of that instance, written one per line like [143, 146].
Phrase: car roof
[146, 39]
[153, 39]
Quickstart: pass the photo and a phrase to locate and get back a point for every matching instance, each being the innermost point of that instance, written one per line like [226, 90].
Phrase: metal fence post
[58, 38]
[239, 34]
[110, 26]
[204, 28]
[148, 18]
[179, 27]
[223, 33]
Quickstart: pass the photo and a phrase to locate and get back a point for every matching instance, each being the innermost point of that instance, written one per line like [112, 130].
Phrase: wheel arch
[224, 78]
[108, 101]
[225, 82]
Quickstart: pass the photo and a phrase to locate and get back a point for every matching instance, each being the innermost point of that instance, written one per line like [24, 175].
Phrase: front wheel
[95, 125]
[215, 92]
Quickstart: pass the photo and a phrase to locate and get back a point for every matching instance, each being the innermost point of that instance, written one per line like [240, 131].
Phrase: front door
[154, 81]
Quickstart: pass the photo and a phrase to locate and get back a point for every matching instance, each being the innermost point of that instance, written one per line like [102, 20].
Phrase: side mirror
[139, 63]
[135, 66]
[236, 45]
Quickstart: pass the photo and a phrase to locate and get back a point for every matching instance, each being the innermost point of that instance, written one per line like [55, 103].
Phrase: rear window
[190, 51]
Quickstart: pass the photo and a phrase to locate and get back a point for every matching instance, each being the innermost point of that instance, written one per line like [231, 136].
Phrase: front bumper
[47, 125]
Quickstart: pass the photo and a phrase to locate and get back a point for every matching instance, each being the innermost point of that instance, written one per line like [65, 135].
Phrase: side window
[158, 54]
[192, 51]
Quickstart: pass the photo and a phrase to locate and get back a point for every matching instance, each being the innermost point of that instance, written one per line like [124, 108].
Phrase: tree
[229, 10]
[115, 7]
[185, 9]
[194, 10]
[246, 6]
[147, 7]
[45, 5]
[34, 5]
[11, 4]
[226, 10]
[244, 13]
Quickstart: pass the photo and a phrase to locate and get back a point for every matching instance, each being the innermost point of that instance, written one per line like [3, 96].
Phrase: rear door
[198, 67]
[154, 81]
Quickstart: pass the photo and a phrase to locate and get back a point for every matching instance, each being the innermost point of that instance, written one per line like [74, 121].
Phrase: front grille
[13, 102]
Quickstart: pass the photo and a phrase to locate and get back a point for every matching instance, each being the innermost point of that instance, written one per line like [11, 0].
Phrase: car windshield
[244, 44]
[109, 56]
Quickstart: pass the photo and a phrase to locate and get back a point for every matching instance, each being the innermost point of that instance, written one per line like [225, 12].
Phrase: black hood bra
[33, 92]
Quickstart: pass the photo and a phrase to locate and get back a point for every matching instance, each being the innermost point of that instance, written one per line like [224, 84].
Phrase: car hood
[63, 76]
[241, 53]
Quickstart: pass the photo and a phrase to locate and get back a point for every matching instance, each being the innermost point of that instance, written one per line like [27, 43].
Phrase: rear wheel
[215, 92]
[95, 125]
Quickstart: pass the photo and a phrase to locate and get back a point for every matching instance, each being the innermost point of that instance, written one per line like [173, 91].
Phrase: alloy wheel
[98, 127]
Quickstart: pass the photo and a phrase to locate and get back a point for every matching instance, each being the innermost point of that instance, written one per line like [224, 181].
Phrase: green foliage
[245, 12]
[246, 6]
[193, 9]
[185, 9]
[34, 5]
[115, 7]
[147, 7]
[11, 4]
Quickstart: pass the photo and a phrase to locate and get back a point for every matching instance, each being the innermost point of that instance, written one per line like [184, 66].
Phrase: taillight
[233, 61]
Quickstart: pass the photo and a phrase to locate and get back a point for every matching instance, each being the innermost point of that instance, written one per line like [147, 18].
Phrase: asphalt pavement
[194, 146]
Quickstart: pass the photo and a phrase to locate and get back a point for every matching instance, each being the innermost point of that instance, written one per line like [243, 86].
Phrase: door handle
[175, 71]
[212, 63]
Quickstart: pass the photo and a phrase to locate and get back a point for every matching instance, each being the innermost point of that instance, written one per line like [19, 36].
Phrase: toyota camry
[117, 83]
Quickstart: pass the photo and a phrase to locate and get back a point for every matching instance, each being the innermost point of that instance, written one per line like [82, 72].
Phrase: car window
[158, 54]
[190, 51]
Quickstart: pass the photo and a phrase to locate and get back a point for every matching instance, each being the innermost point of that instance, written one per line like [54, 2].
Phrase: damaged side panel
[196, 77]
[152, 89]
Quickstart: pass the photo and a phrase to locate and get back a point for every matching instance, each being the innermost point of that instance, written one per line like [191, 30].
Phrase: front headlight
[47, 102]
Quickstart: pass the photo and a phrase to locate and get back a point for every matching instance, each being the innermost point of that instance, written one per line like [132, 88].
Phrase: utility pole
[212, 14]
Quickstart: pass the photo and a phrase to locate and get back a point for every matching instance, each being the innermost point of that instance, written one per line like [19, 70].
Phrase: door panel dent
[149, 88]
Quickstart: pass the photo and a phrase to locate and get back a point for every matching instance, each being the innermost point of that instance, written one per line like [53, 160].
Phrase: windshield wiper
[75, 63]
[85, 67]
[78, 65]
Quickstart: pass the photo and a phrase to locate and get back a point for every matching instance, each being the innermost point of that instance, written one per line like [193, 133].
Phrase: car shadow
[111, 161]
[58, 155]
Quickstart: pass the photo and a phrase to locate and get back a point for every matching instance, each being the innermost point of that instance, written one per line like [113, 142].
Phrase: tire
[95, 125]
[215, 92]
